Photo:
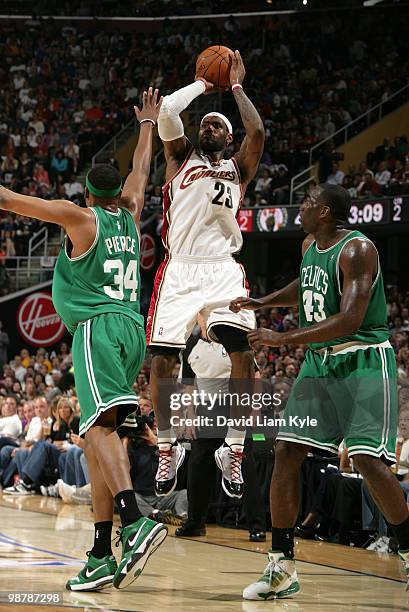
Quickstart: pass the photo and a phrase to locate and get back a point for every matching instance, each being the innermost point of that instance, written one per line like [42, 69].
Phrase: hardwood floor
[43, 542]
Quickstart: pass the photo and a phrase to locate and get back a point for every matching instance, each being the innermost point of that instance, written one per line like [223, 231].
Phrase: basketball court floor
[43, 542]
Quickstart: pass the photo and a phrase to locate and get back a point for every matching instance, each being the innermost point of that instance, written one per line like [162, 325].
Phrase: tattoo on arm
[248, 111]
[248, 158]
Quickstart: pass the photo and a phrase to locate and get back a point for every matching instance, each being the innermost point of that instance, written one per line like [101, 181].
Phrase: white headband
[223, 118]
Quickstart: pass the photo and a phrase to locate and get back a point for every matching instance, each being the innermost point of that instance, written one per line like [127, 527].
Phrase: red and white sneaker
[228, 459]
[171, 458]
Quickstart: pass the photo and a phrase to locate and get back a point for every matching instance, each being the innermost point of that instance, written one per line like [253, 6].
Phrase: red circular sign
[37, 321]
[148, 252]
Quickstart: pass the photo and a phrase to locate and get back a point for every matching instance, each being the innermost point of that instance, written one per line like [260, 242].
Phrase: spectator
[383, 176]
[19, 370]
[263, 184]
[59, 165]
[337, 176]
[72, 153]
[73, 188]
[368, 186]
[141, 443]
[10, 423]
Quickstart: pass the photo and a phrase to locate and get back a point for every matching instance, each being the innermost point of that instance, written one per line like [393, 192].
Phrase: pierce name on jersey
[320, 294]
[104, 279]
[200, 205]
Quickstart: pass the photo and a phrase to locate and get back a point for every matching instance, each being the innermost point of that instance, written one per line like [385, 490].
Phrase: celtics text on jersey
[320, 294]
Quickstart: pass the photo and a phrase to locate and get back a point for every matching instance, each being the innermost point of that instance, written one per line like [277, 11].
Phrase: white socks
[235, 436]
[166, 437]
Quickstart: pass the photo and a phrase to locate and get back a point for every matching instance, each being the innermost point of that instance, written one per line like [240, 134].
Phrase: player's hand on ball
[237, 70]
[244, 303]
[150, 106]
[210, 88]
[263, 337]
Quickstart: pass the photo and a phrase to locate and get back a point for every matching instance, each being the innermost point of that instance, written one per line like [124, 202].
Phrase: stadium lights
[305, 2]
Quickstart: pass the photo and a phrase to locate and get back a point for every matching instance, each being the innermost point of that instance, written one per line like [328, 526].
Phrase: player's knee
[233, 339]
[289, 455]
[163, 361]
[365, 464]
[244, 359]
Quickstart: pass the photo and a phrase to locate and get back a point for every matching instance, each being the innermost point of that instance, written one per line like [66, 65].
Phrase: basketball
[214, 64]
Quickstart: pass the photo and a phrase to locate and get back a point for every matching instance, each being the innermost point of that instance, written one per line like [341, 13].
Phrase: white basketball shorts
[186, 286]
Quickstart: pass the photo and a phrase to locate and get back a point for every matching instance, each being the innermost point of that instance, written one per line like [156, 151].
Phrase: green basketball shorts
[350, 396]
[108, 352]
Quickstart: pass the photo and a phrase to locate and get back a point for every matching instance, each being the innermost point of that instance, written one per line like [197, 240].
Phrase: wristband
[236, 85]
[203, 81]
[144, 121]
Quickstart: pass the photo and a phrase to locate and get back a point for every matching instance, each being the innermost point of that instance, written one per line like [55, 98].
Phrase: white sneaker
[65, 490]
[381, 545]
[228, 459]
[19, 488]
[171, 458]
[278, 581]
[82, 495]
[50, 491]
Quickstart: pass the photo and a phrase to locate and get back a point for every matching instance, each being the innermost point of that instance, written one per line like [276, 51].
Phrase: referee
[205, 362]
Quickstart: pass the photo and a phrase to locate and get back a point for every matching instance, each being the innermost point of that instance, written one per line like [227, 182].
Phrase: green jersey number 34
[127, 279]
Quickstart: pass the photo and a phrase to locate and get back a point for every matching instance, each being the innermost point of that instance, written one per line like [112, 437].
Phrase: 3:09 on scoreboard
[369, 212]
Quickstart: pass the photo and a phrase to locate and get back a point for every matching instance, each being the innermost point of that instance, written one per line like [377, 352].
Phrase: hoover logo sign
[37, 321]
[148, 252]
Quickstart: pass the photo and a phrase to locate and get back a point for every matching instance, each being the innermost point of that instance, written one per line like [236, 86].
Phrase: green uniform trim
[108, 352]
[351, 397]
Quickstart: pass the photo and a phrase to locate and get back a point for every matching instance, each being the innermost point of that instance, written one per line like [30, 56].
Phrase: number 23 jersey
[200, 205]
[103, 279]
[320, 294]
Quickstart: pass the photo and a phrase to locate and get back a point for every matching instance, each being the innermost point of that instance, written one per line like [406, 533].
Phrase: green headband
[102, 193]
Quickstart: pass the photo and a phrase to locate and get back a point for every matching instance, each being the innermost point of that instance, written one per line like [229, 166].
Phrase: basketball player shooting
[96, 292]
[202, 196]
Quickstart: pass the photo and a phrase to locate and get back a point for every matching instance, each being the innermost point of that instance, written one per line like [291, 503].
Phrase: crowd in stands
[148, 8]
[384, 172]
[64, 94]
[40, 449]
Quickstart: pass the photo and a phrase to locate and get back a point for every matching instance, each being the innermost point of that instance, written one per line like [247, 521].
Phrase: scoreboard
[389, 211]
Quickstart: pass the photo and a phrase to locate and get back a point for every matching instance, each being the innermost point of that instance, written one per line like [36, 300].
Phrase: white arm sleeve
[170, 126]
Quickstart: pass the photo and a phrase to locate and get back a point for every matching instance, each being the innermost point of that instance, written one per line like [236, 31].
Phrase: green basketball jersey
[320, 294]
[104, 279]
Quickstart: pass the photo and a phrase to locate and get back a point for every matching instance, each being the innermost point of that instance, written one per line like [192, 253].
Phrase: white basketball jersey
[200, 204]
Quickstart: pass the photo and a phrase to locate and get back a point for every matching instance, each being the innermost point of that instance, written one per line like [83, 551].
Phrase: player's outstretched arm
[61, 212]
[135, 184]
[79, 223]
[170, 126]
[251, 150]
[287, 296]
[358, 263]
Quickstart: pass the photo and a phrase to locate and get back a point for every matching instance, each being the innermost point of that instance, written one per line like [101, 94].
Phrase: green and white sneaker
[404, 555]
[278, 581]
[95, 574]
[139, 541]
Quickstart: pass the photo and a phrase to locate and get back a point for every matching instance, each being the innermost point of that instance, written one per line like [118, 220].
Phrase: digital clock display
[392, 212]
[369, 212]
